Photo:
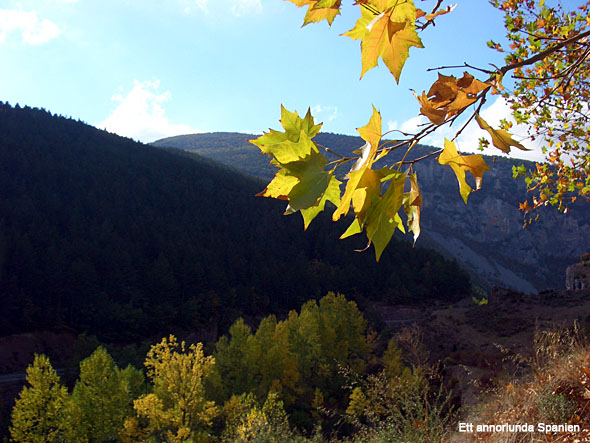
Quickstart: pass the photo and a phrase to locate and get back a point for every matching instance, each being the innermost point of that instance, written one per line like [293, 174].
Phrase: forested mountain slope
[102, 234]
[486, 236]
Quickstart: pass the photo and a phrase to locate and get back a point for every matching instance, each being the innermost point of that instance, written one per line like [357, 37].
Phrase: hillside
[105, 235]
[485, 236]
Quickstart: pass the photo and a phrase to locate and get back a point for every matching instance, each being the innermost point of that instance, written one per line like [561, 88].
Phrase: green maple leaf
[331, 194]
[295, 142]
[302, 179]
[383, 219]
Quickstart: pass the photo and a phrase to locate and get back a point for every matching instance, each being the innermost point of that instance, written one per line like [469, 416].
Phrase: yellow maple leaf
[461, 163]
[501, 139]
[388, 35]
[371, 133]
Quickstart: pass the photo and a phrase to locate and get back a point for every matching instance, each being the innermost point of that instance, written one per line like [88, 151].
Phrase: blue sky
[148, 69]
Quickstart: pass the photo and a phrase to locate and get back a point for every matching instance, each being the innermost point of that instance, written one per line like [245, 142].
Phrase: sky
[149, 69]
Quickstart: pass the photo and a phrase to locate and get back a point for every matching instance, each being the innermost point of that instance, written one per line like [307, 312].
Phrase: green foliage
[392, 359]
[235, 357]
[297, 357]
[480, 296]
[403, 409]
[41, 411]
[103, 397]
[555, 407]
[248, 422]
[292, 375]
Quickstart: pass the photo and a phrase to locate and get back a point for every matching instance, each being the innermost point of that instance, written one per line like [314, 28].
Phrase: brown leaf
[436, 116]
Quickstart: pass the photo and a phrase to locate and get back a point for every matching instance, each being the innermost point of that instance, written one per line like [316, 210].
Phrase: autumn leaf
[313, 181]
[420, 13]
[461, 163]
[412, 203]
[388, 35]
[449, 96]
[525, 207]
[319, 10]
[436, 116]
[383, 218]
[288, 146]
[371, 133]
[501, 139]
[376, 213]
[302, 179]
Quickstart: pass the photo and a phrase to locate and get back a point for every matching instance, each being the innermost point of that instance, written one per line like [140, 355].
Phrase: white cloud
[140, 114]
[409, 126]
[33, 29]
[237, 7]
[329, 112]
[468, 141]
[244, 7]
[189, 4]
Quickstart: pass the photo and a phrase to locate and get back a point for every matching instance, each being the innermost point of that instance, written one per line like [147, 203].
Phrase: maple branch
[431, 21]
[369, 8]
[541, 55]
[567, 74]
[340, 161]
[416, 160]
[538, 37]
[482, 99]
[464, 65]
[329, 150]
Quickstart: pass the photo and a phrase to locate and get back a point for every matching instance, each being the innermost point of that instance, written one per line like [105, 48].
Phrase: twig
[464, 65]
[330, 151]
[481, 103]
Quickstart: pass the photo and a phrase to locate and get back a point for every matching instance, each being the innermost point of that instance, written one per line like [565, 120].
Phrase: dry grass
[556, 392]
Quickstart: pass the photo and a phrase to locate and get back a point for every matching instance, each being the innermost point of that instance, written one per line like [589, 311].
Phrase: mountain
[485, 236]
[101, 234]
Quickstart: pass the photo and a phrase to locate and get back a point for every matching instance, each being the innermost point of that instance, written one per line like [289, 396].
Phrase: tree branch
[541, 55]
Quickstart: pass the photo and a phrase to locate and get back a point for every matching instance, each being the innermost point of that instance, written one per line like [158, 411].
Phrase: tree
[103, 397]
[40, 413]
[548, 53]
[248, 422]
[298, 358]
[325, 337]
[235, 360]
[177, 410]
[551, 94]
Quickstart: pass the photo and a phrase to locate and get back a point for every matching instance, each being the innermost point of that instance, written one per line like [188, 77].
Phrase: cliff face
[485, 236]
